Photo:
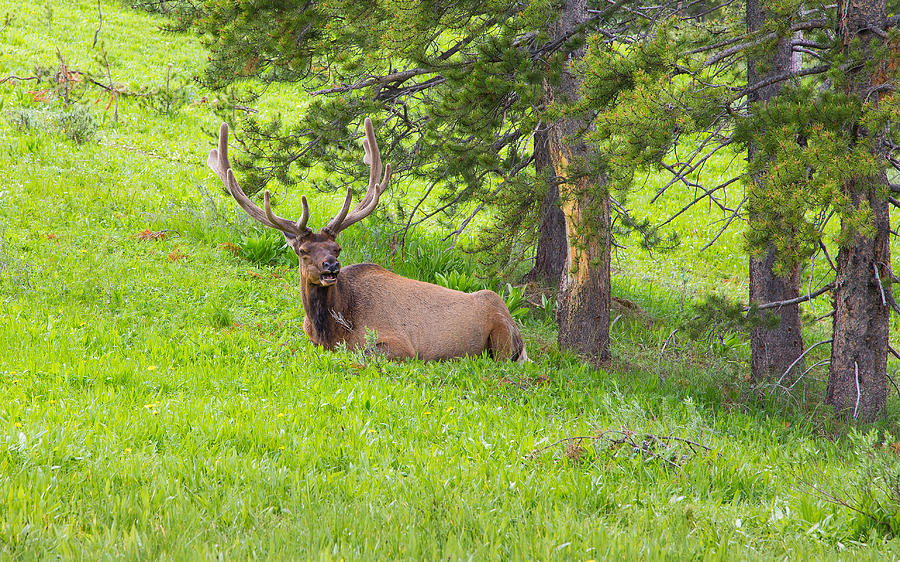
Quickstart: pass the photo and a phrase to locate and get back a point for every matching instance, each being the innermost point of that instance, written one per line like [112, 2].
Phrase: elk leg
[394, 347]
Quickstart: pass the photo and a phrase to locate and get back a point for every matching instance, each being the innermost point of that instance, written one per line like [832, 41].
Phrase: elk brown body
[408, 318]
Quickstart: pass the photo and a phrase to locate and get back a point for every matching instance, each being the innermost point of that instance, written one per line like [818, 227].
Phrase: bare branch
[99, 26]
[892, 301]
[797, 300]
[706, 193]
[734, 215]
[661, 351]
[20, 79]
[799, 358]
[784, 76]
[376, 80]
[810, 368]
[802, 26]
[827, 257]
[880, 286]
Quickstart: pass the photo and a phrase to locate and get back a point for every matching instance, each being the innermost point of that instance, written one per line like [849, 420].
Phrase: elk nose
[331, 266]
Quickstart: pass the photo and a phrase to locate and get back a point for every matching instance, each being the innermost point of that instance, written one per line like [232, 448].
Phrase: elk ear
[292, 240]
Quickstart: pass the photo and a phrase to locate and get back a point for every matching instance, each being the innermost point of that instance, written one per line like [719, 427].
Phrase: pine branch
[782, 77]
[398, 77]
[802, 26]
[390, 94]
[467, 39]
[555, 45]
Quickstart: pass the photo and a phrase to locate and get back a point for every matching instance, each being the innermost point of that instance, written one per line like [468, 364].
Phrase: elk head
[318, 251]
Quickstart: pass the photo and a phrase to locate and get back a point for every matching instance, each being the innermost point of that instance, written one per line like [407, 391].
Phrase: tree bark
[857, 383]
[551, 249]
[772, 351]
[584, 295]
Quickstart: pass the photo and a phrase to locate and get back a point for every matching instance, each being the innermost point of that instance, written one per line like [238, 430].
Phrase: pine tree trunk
[772, 351]
[551, 248]
[584, 291]
[857, 383]
[584, 295]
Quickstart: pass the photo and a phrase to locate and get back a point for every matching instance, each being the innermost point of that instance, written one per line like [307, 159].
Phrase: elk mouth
[328, 277]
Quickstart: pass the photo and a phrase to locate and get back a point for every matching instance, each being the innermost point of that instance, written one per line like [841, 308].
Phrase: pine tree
[584, 295]
[773, 350]
[857, 384]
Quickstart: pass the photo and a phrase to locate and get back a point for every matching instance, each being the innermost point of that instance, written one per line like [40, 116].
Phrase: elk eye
[337, 252]
[303, 252]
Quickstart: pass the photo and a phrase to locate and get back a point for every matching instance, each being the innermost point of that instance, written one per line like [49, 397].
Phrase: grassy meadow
[159, 400]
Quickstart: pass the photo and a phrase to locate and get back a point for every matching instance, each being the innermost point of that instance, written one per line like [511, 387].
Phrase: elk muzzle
[329, 272]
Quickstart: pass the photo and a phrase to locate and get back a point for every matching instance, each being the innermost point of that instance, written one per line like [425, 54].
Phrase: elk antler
[368, 203]
[218, 161]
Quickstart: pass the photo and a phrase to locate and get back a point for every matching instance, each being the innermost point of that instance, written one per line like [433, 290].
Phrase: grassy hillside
[159, 399]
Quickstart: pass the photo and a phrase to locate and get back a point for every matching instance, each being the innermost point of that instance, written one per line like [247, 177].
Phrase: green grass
[161, 401]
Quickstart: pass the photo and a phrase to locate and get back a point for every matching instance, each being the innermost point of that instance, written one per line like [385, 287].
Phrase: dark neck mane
[321, 307]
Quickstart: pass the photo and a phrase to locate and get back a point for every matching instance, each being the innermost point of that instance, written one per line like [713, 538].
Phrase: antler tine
[372, 156]
[300, 225]
[334, 225]
[368, 203]
[301, 222]
[218, 161]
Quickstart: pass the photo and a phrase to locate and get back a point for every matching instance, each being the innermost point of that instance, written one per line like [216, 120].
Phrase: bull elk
[409, 318]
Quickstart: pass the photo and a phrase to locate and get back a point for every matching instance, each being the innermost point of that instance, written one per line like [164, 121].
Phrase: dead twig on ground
[643, 444]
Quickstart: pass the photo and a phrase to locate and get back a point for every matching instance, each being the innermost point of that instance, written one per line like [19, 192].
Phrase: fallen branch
[661, 351]
[644, 444]
[613, 323]
[19, 78]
